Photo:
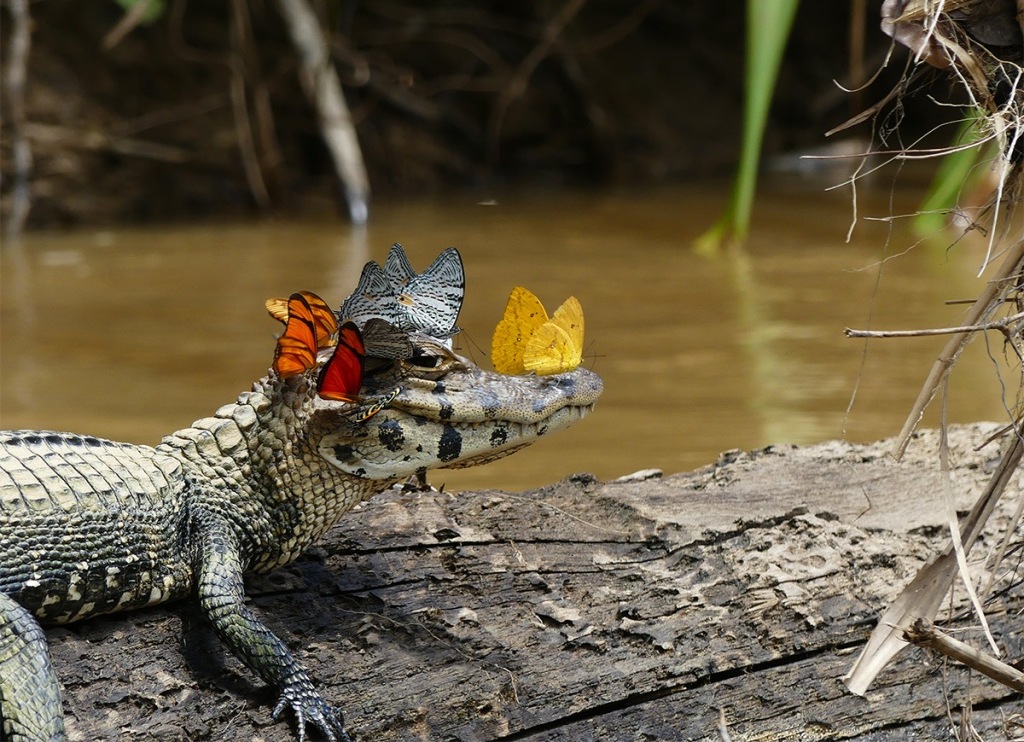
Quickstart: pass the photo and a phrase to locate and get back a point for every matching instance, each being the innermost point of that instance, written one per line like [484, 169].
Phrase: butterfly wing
[296, 348]
[557, 346]
[374, 297]
[292, 357]
[383, 340]
[324, 321]
[397, 268]
[365, 413]
[569, 316]
[524, 314]
[342, 375]
[278, 309]
[548, 351]
[431, 301]
[446, 271]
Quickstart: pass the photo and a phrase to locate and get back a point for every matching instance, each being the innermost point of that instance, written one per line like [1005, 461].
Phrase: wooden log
[725, 603]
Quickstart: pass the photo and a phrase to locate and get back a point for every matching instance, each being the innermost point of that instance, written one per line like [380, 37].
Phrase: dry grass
[979, 44]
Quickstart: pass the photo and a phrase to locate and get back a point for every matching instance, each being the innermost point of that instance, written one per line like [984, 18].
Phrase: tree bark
[722, 603]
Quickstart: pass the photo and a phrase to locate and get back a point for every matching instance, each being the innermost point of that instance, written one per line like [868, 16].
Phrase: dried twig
[1002, 325]
[1009, 326]
[991, 296]
[924, 634]
[939, 39]
[518, 84]
[922, 597]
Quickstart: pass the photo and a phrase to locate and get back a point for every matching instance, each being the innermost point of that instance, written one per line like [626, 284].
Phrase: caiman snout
[464, 417]
[478, 396]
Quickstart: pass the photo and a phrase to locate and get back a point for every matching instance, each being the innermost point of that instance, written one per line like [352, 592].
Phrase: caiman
[90, 526]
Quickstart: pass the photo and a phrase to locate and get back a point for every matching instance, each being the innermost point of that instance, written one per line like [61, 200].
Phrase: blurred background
[181, 173]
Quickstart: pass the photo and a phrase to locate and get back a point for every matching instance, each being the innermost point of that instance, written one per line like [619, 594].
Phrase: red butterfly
[309, 326]
[342, 375]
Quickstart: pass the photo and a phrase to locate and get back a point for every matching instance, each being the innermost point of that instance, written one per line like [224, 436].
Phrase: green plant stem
[768, 25]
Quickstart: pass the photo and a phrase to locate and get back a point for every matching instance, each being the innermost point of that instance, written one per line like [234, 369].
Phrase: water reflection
[130, 334]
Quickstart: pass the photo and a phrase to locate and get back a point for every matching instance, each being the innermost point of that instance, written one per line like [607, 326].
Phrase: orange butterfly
[343, 374]
[324, 321]
[309, 326]
[296, 348]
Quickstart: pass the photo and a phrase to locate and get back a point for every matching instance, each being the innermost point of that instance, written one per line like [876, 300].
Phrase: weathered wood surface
[585, 610]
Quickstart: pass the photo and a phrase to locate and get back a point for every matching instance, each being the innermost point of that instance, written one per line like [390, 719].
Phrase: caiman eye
[432, 361]
[426, 360]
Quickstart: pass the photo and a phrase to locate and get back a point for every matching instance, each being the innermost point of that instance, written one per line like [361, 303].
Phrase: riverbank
[730, 599]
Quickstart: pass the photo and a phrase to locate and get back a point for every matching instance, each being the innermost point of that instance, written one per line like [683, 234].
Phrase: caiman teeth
[393, 445]
[450, 422]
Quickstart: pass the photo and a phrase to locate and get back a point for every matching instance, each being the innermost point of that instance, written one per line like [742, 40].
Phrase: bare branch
[1001, 325]
[322, 86]
[243, 128]
[519, 82]
[991, 296]
[924, 634]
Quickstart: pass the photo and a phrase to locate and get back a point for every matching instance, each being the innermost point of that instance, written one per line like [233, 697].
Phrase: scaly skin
[89, 526]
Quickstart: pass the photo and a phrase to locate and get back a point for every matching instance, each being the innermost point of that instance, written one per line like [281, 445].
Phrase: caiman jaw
[464, 418]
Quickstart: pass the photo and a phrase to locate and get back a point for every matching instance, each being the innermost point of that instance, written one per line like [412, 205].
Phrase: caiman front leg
[30, 707]
[221, 595]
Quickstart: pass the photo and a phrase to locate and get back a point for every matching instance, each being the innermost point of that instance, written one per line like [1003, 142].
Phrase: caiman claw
[310, 708]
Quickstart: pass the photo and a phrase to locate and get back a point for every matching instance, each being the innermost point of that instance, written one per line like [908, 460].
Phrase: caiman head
[350, 408]
[337, 421]
[311, 459]
[447, 413]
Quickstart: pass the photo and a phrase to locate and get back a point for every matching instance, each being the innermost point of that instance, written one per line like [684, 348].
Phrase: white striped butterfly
[427, 303]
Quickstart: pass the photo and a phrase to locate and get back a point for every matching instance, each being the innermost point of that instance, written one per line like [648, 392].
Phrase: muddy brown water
[132, 333]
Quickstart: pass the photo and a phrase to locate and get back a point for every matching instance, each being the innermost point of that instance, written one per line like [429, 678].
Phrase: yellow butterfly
[527, 340]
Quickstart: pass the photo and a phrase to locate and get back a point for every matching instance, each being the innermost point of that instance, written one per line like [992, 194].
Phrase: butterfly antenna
[593, 356]
[470, 346]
